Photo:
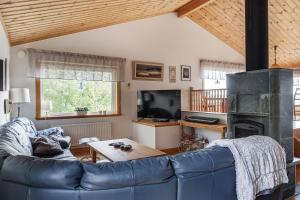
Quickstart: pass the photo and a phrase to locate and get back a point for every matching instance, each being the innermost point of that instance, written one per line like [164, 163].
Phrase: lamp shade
[19, 95]
[47, 106]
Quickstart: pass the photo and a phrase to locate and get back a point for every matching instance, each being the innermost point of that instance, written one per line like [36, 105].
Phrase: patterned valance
[217, 70]
[73, 66]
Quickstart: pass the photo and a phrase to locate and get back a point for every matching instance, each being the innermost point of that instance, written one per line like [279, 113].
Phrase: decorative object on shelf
[186, 73]
[81, 111]
[19, 96]
[172, 74]
[147, 71]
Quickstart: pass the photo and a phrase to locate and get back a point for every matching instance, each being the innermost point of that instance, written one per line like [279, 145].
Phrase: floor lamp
[19, 96]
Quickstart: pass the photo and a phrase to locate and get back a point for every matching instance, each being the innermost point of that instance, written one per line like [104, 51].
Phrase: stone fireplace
[261, 103]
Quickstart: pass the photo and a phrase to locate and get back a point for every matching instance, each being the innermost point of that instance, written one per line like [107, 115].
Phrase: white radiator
[101, 130]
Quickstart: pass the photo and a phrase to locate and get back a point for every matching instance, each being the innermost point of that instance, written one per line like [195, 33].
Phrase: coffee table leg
[94, 156]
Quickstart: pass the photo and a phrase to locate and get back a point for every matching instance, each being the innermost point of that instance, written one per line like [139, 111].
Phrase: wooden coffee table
[138, 151]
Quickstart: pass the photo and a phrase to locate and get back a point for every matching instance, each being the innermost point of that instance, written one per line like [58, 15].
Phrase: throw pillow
[46, 147]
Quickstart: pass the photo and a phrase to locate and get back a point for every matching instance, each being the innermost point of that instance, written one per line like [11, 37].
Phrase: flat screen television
[159, 104]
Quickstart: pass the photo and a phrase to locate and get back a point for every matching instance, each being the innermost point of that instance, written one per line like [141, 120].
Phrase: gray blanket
[260, 164]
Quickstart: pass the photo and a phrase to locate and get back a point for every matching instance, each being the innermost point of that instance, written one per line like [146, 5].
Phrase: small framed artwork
[172, 74]
[185, 73]
[3, 75]
[147, 71]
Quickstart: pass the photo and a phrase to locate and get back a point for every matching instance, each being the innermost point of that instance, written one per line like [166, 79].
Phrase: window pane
[66, 95]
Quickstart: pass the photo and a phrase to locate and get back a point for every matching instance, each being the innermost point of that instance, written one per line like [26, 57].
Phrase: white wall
[166, 39]
[4, 53]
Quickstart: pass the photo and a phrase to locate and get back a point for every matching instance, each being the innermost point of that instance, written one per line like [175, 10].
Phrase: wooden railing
[208, 100]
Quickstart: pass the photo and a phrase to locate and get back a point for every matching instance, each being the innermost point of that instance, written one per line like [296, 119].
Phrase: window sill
[75, 116]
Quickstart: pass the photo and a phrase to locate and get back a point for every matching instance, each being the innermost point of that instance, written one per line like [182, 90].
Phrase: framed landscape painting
[147, 71]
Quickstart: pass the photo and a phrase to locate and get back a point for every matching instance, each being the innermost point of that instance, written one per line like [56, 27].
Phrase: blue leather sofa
[207, 174]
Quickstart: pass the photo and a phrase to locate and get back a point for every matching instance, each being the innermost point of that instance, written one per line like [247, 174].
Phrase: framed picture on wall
[3, 74]
[185, 73]
[147, 71]
[172, 74]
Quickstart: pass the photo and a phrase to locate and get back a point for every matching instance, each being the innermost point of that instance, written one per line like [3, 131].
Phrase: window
[214, 73]
[72, 85]
[59, 98]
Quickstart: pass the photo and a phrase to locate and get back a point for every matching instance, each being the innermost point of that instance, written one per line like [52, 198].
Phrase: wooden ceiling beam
[191, 7]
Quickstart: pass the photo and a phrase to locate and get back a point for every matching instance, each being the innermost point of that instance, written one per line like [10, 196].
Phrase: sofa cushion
[14, 140]
[202, 161]
[42, 173]
[152, 170]
[44, 146]
[125, 174]
[56, 133]
[107, 175]
[27, 124]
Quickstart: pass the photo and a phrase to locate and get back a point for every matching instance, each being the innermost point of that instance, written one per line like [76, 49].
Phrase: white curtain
[73, 66]
[217, 70]
[296, 77]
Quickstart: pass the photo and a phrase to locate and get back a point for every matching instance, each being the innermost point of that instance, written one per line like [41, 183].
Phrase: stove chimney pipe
[257, 36]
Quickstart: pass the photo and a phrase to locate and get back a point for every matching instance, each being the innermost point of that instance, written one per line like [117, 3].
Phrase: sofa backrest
[42, 173]
[205, 174]
[145, 179]
[15, 137]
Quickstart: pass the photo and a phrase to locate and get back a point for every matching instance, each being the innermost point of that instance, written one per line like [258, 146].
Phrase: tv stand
[160, 120]
[157, 135]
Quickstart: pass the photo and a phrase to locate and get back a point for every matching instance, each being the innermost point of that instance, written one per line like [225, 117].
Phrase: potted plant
[81, 110]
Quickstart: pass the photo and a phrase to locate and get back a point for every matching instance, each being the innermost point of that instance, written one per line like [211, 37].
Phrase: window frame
[38, 107]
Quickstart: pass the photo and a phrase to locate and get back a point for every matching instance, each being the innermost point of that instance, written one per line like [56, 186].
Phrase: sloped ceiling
[31, 20]
[226, 20]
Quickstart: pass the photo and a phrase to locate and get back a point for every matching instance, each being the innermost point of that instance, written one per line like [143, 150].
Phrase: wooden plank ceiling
[31, 20]
[226, 20]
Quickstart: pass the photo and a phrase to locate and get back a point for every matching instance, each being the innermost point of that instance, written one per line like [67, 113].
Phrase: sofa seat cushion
[126, 174]
[42, 173]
